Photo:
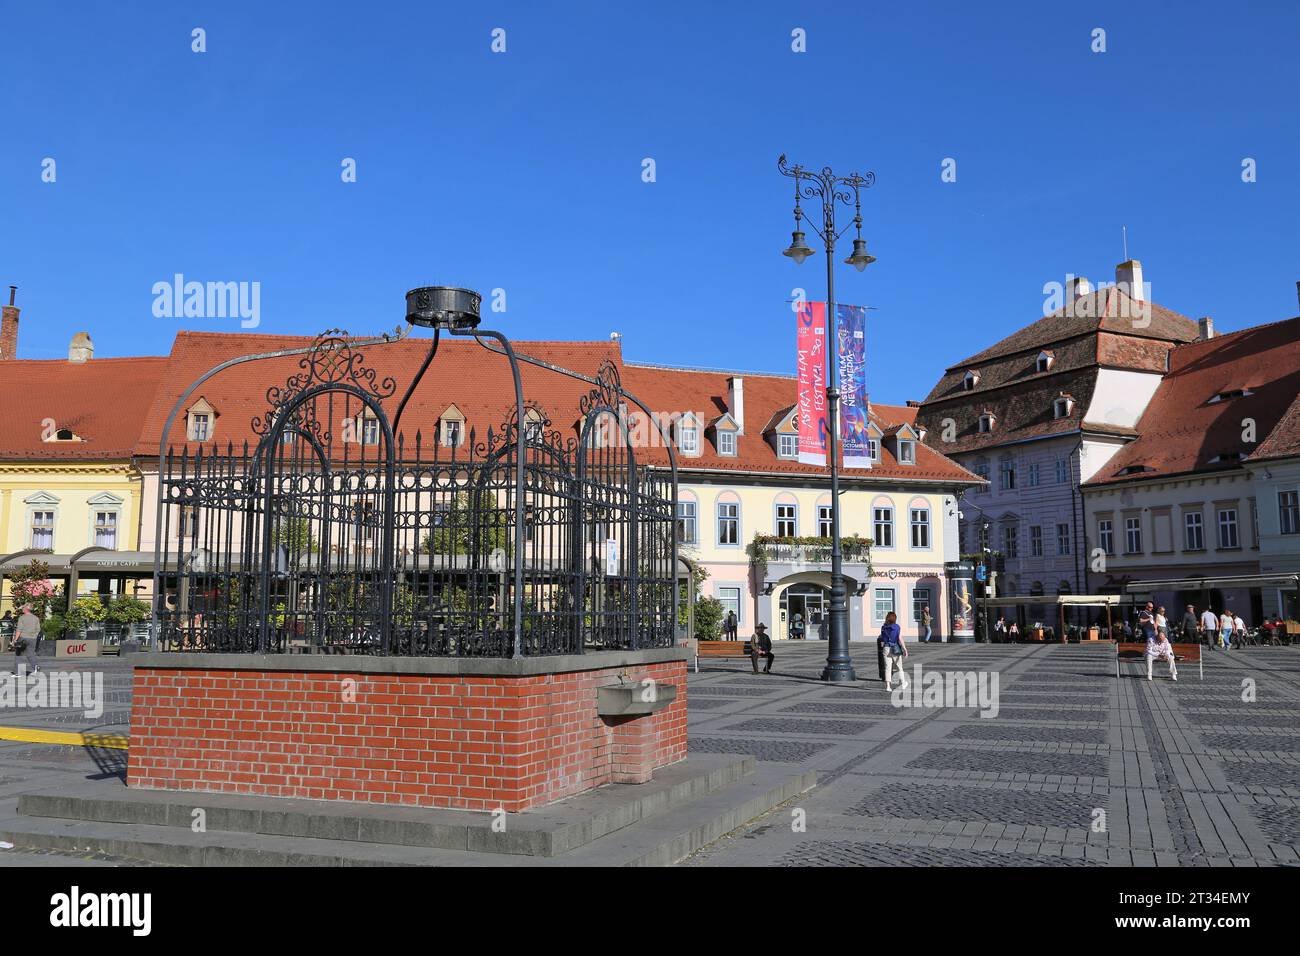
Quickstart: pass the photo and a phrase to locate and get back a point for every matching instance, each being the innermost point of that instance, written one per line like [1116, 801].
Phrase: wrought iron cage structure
[336, 532]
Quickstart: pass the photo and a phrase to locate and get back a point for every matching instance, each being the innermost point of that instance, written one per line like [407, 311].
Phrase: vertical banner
[851, 356]
[810, 325]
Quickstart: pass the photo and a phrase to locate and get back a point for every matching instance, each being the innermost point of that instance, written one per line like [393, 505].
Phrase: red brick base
[471, 741]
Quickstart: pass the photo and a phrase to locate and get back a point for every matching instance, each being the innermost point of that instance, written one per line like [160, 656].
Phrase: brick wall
[433, 740]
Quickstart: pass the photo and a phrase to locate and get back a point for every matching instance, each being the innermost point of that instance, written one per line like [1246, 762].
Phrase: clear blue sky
[522, 170]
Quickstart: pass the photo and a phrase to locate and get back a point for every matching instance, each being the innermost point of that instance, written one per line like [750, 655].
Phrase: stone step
[545, 831]
[656, 840]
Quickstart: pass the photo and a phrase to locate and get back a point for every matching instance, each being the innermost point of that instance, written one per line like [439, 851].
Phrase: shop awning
[1226, 581]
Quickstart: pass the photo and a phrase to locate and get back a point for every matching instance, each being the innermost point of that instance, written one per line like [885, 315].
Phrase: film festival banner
[810, 326]
[851, 356]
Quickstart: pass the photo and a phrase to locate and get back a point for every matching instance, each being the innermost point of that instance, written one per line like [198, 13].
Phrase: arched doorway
[803, 608]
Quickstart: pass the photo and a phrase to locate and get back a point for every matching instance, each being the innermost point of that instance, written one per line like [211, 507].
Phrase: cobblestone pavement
[1077, 768]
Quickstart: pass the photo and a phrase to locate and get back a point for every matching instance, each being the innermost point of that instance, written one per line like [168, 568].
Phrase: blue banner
[851, 356]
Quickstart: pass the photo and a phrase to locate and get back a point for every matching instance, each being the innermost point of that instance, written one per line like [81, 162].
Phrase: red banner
[810, 325]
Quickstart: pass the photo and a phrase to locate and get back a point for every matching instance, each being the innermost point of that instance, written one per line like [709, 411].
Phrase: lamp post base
[839, 674]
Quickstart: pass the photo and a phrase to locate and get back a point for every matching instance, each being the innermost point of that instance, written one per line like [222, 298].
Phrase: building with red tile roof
[1211, 474]
[1043, 409]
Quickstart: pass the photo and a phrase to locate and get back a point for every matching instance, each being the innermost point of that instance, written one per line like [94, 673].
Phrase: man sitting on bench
[761, 646]
[1158, 646]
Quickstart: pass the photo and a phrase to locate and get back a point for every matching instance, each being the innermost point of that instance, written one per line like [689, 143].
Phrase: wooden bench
[1134, 650]
[721, 650]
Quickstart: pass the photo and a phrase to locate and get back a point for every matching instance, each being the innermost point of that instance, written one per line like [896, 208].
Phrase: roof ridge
[699, 369]
[1249, 328]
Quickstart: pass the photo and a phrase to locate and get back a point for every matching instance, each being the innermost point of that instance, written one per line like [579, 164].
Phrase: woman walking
[891, 644]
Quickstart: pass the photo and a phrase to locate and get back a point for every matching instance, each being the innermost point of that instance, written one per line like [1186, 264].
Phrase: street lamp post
[830, 189]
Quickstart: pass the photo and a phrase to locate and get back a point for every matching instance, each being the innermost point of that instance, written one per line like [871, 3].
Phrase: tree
[31, 585]
[708, 618]
[297, 534]
[471, 525]
[84, 611]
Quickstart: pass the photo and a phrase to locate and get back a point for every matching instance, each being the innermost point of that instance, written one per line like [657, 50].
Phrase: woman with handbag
[891, 643]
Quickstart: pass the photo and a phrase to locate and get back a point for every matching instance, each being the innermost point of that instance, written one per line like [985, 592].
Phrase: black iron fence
[333, 534]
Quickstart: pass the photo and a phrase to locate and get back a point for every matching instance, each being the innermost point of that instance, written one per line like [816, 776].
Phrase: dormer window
[1230, 394]
[1062, 406]
[873, 449]
[451, 432]
[1044, 361]
[787, 446]
[688, 434]
[726, 443]
[906, 451]
[1135, 469]
[987, 421]
[970, 380]
[65, 434]
[200, 420]
[1226, 457]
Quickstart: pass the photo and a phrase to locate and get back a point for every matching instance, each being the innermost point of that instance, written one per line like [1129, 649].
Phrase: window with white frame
[686, 522]
[42, 529]
[1193, 531]
[451, 430]
[1228, 528]
[884, 603]
[370, 431]
[906, 451]
[728, 523]
[787, 521]
[200, 426]
[189, 524]
[884, 524]
[1106, 534]
[1007, 474]
[920, 601]
[823, 521]
[1044, 362]
[729, 598]
[1036, 540]
[873, 449]
[1010, 542]
[1133, 535]
[1033, 475]
[787, 446]
[106, 530]
[1288, 512]
[689, 439]
[1062, 539]
[920, 527]
[726, 443]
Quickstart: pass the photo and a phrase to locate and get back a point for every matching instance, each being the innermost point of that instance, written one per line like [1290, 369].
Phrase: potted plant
[124, 612]
[86, 614]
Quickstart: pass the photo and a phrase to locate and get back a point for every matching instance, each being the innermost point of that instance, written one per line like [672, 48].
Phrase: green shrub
[708, 619]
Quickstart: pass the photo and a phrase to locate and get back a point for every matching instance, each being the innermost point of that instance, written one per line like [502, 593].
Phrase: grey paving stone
[786, 751]
[1010, 761]
[983, 804]
[994, 730]
[797, 727]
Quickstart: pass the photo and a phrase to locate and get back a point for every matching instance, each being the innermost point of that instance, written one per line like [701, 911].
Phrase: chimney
[736, 400]
[1206, 326]
[9, 327]
[1079, 287]
[81, 348]
[1128, 276]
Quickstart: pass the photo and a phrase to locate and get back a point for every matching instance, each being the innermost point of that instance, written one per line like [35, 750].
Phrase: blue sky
[522, 170]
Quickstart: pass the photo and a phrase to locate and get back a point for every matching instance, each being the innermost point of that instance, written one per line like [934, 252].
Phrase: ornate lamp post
[830, 189]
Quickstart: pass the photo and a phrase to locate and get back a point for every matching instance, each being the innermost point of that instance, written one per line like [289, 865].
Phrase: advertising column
[961, 601]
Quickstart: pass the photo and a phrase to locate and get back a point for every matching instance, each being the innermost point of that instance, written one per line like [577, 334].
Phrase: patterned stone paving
[784, 751]
[1009, 761]
[994, 730]
[906, 801]
[1079, 768]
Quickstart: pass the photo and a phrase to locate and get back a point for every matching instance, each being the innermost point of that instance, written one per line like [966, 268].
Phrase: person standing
[1162, 623]
[729, 627]
[760, 645]
[1189, 622]
[1239, 628]
[925, 624]
[1210, 626]
[26, 632]
[1226, 624]
[895, 651]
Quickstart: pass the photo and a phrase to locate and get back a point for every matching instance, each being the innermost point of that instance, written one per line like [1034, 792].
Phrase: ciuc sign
[76, 648]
